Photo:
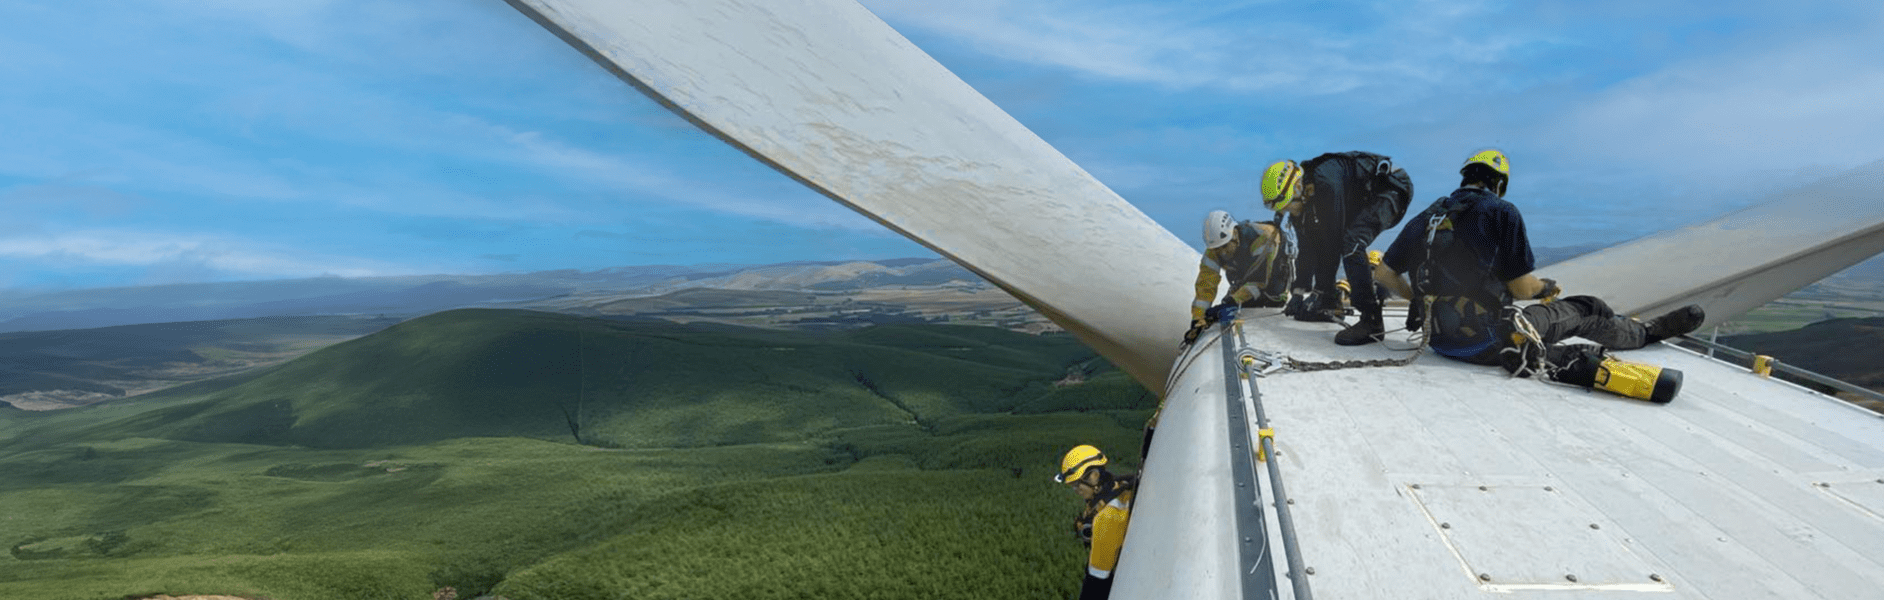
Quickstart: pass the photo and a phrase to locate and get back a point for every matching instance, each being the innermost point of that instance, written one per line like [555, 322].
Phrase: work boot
[1675, 323]
[1367, 330]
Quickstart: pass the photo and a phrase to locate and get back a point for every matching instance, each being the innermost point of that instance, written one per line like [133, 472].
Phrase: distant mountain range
[417, 295]
[565, 290]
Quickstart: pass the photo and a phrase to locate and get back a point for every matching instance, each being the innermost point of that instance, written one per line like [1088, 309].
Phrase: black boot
[1367, 330]
[1675, 323]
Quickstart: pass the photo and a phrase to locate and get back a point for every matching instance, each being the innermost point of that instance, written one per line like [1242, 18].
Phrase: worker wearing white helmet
[1250, 254]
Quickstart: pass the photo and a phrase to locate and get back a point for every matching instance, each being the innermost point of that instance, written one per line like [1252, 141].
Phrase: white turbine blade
[825, 92]
[1741, 261]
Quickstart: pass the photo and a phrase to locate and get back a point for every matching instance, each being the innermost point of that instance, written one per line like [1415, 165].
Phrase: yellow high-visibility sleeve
[1207, 282]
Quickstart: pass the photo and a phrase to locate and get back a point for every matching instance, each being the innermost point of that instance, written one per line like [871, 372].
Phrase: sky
[160, 142]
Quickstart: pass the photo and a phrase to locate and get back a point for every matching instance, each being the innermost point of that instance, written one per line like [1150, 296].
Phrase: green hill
[716, 461]
[615, 383]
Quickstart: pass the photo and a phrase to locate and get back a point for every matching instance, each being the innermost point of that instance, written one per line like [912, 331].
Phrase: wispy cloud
[1247, 47]
[218, 255]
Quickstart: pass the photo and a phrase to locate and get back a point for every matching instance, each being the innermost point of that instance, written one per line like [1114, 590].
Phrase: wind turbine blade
[825, 92]
[1741, 261]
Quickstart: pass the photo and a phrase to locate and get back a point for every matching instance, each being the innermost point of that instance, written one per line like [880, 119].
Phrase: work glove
[1197, 328]
[1222, 312]
[1550, 290]
[1298, 303]
[1319, 309]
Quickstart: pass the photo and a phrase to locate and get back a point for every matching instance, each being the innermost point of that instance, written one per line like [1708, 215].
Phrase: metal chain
[1273, 362]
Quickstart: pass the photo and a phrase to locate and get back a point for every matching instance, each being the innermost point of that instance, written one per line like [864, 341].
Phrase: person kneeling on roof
[1252, 256]
[1470, 256]
[1108, 511]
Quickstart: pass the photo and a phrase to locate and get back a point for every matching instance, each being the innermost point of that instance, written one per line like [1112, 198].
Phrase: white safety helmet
[1218, 229]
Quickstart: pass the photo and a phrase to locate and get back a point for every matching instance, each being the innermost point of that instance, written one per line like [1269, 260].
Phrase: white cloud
[1807, 106]
[206, 253]
[1244, 48]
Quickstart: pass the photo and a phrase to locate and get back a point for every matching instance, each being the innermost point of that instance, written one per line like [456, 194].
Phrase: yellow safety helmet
[1491, 158]
[1282, 182]
[1073, 467]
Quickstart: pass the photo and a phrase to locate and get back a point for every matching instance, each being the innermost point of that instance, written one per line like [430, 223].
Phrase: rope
[1535, 365]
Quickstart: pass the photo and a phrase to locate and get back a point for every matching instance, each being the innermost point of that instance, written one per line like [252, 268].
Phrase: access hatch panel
[1532, 536]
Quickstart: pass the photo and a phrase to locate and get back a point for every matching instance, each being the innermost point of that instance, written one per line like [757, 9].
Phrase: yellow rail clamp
[1763, 365]
[1264, 434]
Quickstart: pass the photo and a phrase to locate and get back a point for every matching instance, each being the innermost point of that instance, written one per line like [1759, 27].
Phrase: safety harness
[1245, 266]
[1458, 296]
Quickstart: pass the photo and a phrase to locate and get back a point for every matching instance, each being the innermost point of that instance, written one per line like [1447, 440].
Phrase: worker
[1337, 204]
[1470, 254]
[1251, 256]
[1103, 522]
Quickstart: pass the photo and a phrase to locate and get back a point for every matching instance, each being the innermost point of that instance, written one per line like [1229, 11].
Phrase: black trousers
[1360, 273]
[1587, 317]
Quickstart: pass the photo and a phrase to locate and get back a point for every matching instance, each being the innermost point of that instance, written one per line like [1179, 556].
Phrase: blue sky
[165, 142]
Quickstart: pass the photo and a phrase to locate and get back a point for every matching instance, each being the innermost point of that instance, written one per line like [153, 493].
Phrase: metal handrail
[1787, 368]
[1266, 445]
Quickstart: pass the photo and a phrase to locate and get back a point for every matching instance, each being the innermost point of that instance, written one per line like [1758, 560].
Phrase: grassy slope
[626, 383]
[795, 474]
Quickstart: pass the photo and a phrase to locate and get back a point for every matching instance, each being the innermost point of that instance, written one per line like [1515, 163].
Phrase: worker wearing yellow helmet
[1470, 255]
[1103, 522]
[1252, 256]
[1337, 204]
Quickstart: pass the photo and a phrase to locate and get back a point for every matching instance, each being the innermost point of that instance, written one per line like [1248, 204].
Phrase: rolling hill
[624, 383]
[715, 461]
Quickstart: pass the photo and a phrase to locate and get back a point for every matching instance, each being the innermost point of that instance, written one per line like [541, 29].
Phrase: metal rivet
[1654, 577]
[1310, 570]
[1484, 577]
[1291, 501]
[1445, 526]
[1246, 540]
[1595, 526]
[1571, 577]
